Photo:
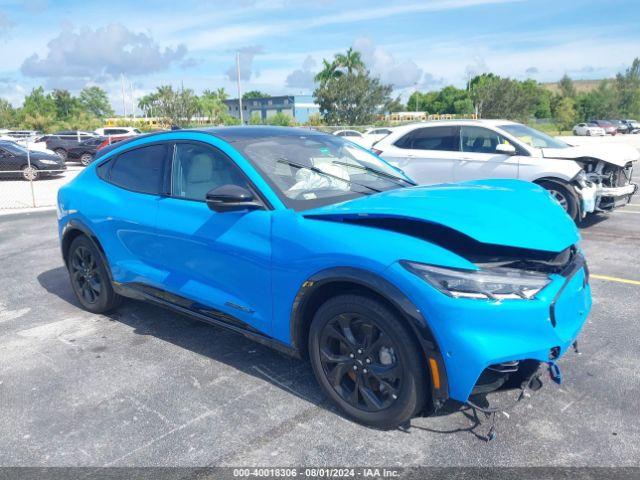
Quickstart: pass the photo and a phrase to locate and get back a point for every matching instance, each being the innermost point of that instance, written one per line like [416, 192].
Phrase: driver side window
[197, 169]
[480, 140]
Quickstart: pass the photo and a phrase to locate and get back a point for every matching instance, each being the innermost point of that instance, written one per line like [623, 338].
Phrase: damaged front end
[614, 183]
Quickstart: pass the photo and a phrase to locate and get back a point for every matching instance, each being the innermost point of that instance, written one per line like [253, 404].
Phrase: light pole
[239, 91]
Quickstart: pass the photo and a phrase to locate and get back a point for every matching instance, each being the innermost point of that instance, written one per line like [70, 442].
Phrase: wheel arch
[327, 283]
[75, 228]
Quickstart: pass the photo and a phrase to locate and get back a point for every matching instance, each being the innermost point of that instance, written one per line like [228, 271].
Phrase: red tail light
[376, 151]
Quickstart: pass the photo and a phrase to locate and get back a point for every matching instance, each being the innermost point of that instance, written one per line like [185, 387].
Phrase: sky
[411, 44]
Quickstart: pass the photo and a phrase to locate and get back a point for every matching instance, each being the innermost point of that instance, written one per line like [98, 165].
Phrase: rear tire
[89, 277]
[564, 197]
[86, 159]
[62, 153]
[367, 362]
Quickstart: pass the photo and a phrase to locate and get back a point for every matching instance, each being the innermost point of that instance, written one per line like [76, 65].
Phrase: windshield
[533, 137]
[13, 148]
[307, 171]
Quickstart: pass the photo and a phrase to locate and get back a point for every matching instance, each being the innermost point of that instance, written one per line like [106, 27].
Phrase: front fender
[537, 168]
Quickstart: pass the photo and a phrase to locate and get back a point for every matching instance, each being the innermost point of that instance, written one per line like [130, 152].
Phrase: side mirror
[232, 198]
[506, 148]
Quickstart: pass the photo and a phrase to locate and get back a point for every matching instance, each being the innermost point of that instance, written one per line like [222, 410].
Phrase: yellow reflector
[435, 373]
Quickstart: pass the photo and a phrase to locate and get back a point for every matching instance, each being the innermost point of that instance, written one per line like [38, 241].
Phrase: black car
[16, 162]
[65, 141]
[85, 151]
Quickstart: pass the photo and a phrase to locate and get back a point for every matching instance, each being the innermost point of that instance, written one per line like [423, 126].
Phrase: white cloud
[246, 56]
[303, 77]
[245, 32]
[100, 54]
[382, 63]
[5, 24]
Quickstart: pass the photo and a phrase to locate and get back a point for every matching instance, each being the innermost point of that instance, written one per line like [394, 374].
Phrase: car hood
[511, 213]
[612, 153]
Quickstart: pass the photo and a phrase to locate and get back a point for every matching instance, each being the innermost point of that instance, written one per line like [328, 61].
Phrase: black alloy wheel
[89, 277]
[359, 360]
[85, 275]
[367, 361]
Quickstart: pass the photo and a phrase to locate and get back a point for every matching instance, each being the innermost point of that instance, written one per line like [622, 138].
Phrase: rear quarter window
[139, 170]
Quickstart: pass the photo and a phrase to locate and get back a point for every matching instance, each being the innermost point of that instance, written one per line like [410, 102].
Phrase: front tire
[367, 362]
[30, 173]
[89, 277]
[564, 197]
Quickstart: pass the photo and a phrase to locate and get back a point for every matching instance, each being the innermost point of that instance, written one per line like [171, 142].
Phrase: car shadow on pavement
[293, 375]
[593, 219]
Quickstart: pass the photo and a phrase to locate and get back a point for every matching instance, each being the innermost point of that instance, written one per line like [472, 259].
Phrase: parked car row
[606, 127]
[31, 155]
[82, 146]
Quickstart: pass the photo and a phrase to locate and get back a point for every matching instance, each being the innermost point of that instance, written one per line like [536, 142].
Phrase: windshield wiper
[322, 172]
[375, 172]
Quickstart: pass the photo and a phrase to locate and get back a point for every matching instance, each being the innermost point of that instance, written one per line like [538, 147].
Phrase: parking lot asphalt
[144, 386]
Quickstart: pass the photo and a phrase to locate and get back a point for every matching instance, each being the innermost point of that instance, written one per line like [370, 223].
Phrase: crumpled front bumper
[612, 197]
[474, 334]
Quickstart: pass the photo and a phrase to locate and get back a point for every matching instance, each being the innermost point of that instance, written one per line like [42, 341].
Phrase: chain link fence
[31, 172]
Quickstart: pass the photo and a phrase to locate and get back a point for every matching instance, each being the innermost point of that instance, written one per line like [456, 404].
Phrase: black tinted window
[140, 170]
[432, 138]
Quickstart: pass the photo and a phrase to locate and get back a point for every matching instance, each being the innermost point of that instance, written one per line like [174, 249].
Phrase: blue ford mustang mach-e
[401, 296]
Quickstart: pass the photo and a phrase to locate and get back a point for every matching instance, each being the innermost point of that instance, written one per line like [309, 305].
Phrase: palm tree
[352, 61]
[329, 71]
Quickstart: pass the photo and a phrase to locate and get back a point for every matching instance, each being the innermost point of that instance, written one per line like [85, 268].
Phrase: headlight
[48, 162]
[489, 283]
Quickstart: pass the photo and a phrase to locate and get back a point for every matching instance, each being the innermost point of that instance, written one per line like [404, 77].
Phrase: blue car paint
[266, 256]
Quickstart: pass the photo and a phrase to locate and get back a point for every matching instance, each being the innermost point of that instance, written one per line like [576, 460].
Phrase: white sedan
[589, 130]
[355, 137]
[376, 134]
[582, 179]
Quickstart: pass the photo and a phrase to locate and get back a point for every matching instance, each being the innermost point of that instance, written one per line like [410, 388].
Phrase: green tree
[39, 103]
[211, 104]
[177, 107]
[628, 88]
[329, 70]
[254, 94]
[281, 120]
[496, 97]
[67, 105]
[565, 114]
[7, 114]
[351, 62]
[352, 99]
[94, 101]
[567, 88]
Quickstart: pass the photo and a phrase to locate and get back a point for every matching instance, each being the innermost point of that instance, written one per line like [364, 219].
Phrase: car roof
[468, 121]
[228, 134]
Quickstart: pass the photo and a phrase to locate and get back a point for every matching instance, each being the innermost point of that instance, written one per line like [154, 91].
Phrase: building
[299, 107]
